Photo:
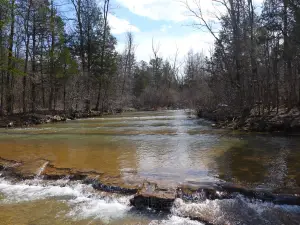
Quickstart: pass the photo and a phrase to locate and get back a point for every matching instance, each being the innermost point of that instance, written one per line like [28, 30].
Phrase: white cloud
[155, 9]
[164, 28]
[170, 10]
[169, 44]
[120, 26]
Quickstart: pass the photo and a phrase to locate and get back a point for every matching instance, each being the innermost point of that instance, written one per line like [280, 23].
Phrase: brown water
[168, 147]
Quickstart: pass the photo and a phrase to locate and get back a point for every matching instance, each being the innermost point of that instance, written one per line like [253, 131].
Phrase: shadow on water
[261, 162]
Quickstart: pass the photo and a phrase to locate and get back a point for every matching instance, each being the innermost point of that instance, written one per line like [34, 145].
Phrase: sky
[167, 23]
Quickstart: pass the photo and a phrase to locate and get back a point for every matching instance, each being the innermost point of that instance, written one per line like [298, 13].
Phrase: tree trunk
[105, 15]
[26, 55]
[65, 93]
[33, 85]
[51, 94]
[42, 74]
[98, 97]
[2, 70]
[286, 56]
[9, 93]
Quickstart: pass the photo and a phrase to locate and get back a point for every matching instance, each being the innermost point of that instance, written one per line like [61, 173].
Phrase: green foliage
[4, 19]
[66, 66]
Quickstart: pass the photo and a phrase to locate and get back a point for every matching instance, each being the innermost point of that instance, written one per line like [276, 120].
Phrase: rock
[48, 119]
[63, 118]
[53, 173]
[35, 119]
[29, 169]
[295, 124]
[10, 124]
[151, 196]
[72, 116]
[5, 163]
[109, 188]
[56, 118]
[129, 109]
[284, 199]
[119, 110]
[95, 113]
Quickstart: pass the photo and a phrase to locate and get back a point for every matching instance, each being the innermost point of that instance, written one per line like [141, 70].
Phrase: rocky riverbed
[287, 121]
[146, 194]
[31, 119]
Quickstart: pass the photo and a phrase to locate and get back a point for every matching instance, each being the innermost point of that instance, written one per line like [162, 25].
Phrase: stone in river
[5, 163]
[30, 169]
[152, 196]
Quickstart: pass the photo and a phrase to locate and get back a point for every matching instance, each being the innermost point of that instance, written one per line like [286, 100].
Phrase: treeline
[255, 64]
[49, 61]
[52, 60]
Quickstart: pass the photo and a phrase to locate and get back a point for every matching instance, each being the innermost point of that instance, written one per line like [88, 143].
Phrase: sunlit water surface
[169, 147]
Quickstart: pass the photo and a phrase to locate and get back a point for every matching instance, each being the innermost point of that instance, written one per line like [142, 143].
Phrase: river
[167, 147]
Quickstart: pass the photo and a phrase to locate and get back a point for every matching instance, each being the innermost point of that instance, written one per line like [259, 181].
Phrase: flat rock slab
[30, 169]
[155, 197]
[5, 163]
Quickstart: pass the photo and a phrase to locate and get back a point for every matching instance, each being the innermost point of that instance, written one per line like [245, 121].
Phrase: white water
[237, 211]
[41, 170]
[176, 220]
[86, 203]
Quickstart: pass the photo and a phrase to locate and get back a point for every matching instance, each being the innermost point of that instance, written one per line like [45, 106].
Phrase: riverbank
[18, 120]
[283, 120]
[43, 117]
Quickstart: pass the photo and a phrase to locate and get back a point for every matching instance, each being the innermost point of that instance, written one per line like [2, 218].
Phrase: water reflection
[167, 146]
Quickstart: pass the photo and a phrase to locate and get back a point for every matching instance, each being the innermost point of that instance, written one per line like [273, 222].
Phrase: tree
[10, 65]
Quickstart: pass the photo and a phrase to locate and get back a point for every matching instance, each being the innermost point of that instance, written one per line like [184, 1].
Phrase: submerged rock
[5, 164]
[151, 196]
[30, 169]
[96, 183]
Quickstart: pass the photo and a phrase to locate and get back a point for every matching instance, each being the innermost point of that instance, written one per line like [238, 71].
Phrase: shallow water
[169, 147]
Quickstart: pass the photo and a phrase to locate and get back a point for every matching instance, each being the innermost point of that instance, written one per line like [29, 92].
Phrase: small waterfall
[41, 170]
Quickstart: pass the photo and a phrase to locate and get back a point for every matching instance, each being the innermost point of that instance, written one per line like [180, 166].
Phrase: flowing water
[169, 147]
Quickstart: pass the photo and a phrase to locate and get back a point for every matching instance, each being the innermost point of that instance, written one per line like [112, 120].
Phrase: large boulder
[56, 118]
[151, 196]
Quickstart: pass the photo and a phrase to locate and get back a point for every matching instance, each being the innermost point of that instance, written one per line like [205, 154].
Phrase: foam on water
[41, 170]
[176, 220]
[103, 209]
[84, 201]
[237, 211]
[28, 191]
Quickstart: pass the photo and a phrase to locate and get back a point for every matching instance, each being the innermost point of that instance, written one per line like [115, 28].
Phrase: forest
[254, 66]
